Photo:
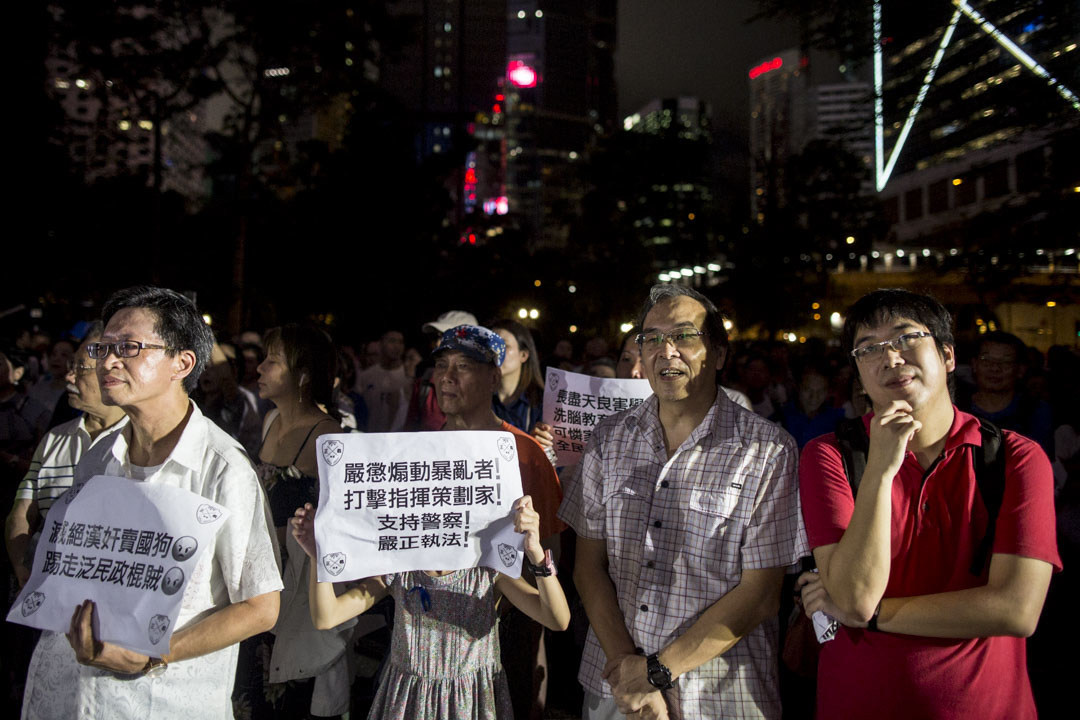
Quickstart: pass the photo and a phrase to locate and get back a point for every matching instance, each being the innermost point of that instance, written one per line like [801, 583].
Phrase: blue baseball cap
[475, 342]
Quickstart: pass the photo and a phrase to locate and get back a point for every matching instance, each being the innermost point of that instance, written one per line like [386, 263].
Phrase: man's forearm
[226, 627]
[600, 599]
[17, 536]
[1009, 604]
[728, 620]
[855, 570]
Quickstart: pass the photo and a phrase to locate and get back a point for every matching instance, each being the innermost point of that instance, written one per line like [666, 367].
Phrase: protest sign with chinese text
[131, 547]
[575, 403]
[393, 502]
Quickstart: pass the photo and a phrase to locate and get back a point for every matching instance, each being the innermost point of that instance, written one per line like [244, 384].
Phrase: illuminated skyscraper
[560, 96]
[975, 99]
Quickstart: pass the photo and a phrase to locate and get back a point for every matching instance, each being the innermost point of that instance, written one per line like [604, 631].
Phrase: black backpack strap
[989, 462]
[854, 443]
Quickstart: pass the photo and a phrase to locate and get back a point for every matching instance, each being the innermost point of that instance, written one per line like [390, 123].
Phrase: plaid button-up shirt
[679, 532]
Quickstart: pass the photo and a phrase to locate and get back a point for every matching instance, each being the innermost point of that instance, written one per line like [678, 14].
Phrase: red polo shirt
[938, 520]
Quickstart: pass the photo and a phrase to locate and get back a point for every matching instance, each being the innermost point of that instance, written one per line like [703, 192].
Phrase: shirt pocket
[627, 510]
[713, 514]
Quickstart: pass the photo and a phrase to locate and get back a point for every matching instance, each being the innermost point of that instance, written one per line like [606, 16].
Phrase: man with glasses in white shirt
[934, 596]
[53, 467]
[686, 513]
[153, 348]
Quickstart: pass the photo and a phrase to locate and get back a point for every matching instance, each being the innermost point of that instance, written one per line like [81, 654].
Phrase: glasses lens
[96, 350]
[127, 349]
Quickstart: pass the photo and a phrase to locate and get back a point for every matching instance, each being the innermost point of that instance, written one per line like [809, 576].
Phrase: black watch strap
[659, 675]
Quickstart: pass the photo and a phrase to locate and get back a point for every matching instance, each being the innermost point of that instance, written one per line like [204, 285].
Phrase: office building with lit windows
[993, 126]
[107, 136]
[560, 96]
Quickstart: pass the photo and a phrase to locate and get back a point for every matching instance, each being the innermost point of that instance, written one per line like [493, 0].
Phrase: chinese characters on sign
[131, 548]
[392, 502]
[575, 403]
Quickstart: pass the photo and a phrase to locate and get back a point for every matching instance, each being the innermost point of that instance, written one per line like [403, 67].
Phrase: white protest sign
[575, 403]
[131, 547]
[393, 502]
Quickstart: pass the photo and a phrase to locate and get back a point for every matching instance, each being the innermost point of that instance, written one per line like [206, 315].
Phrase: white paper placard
[575, 403]
[131, 547]
[394, 502]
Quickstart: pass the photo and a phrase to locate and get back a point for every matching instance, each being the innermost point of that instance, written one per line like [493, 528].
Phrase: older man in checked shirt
[687, 515]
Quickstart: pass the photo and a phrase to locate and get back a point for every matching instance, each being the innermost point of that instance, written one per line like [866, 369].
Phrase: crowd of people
[932, 483]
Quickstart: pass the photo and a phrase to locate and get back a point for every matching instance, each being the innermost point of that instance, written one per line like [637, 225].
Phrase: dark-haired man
[927, 631]
[998, 367]
[149, 358]
[686, 511]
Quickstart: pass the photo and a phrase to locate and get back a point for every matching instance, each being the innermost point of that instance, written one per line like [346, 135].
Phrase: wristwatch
[546, 568]
[155, 667]
[659, 675]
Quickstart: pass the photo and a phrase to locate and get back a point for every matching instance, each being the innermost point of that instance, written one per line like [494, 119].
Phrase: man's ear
[948, 352]
[183, 363]
[721, 356]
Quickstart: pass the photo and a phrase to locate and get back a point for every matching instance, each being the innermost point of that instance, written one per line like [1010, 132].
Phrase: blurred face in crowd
[629, 365]
[393, 346]
[276, 380]
[251, 365]
[372, 353]
[83, 391]
[515, 354]
[683, 370]
[756, 374]
[463, 385]
[996, 368]
[60, 358]
[813, 390]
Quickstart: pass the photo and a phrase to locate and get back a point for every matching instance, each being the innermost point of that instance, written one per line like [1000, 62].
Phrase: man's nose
[893, 357]
[70, 376]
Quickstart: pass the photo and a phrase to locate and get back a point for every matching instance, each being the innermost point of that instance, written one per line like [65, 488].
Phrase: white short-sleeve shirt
[242, 563]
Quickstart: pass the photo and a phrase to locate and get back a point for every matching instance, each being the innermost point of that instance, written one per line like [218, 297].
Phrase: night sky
[702, 48]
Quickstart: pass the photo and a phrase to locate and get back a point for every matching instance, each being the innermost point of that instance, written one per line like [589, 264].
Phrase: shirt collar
[718, 423]
[963, 431]
[190, 448]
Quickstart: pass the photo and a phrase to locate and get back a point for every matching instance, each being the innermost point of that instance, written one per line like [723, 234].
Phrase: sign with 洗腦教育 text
[131, 547]
[394, 502]
[575, 403]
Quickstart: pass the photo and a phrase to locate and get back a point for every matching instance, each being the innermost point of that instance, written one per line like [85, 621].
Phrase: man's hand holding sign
[118, 551]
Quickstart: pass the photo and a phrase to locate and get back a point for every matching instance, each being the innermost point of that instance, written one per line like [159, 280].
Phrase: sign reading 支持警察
[394, 502]
[131, 547]
[575, 403]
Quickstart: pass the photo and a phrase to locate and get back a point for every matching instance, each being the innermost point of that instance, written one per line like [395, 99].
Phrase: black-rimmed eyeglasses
[126, 349]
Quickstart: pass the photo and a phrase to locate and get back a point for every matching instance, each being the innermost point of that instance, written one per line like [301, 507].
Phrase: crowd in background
[276, 391]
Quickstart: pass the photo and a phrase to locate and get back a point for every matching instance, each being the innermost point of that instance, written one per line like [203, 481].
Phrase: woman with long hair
[307, 672]
[521, 394]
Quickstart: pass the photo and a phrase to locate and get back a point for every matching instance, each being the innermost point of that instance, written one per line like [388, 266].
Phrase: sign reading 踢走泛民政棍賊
[131, 547]
[575, 403]
[394, 502]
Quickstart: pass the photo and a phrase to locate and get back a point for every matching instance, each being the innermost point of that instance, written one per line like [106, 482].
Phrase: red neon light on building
[470, 176]
[767, 66]
[520, 74]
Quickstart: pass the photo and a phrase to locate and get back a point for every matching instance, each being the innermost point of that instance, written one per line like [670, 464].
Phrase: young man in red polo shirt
[922, 636]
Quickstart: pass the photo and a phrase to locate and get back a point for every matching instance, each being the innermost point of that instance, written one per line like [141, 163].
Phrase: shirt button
[656, 524]
[650, 564]
[925, 507]
[645, 608]
[664, 483]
